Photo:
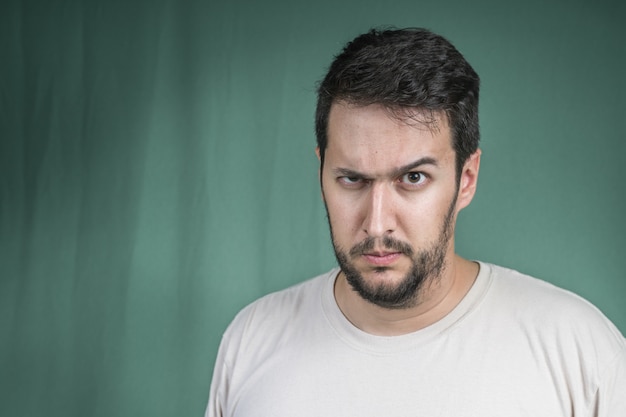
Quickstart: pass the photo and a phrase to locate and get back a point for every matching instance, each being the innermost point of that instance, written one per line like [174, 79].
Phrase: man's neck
[435, 301]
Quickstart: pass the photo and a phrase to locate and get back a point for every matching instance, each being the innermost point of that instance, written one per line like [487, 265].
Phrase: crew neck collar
[361, 340]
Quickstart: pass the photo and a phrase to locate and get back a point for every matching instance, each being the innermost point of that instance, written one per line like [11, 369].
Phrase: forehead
[373, 135]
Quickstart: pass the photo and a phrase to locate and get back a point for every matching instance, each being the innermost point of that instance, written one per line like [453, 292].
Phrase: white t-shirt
[514, 346]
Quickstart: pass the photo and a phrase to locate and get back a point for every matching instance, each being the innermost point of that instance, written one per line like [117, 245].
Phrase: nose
[380, 219]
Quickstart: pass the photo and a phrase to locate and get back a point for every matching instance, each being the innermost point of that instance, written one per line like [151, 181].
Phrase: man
[404, 326]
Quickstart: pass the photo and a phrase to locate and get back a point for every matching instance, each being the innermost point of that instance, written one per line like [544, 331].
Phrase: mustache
[388, 243]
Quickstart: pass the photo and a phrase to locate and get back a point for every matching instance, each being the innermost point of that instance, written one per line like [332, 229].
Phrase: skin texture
[391, 194]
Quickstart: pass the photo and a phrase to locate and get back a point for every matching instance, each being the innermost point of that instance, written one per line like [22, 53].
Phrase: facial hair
[427, 265]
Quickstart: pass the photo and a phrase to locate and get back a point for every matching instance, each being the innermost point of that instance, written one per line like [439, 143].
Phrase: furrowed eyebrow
[345, 172]
[427, 160]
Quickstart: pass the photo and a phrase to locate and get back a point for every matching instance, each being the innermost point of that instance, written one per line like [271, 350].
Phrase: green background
[157, 173]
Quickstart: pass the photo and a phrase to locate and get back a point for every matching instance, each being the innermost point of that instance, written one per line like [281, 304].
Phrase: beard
[427, 265]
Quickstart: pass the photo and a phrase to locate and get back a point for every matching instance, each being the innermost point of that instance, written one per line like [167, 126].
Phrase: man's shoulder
[548, 308]
[283, 305]
[292, 296]
[535, 292]
[274, 319]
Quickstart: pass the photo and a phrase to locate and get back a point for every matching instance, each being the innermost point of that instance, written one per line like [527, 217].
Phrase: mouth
[382, 258]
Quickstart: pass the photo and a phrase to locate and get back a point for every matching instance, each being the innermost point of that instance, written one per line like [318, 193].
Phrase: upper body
[409, 327]
[514, 346]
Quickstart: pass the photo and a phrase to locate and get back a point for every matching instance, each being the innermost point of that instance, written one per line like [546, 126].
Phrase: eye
[413, 178]
[351, 182]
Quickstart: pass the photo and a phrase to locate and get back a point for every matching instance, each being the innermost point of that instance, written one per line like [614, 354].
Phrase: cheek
[344, 220]
[342, 216]
[421, 220]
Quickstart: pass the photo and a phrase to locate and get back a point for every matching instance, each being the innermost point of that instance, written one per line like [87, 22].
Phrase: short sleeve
[610, 400]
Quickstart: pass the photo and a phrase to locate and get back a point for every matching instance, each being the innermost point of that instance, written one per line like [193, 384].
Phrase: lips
[382, 258]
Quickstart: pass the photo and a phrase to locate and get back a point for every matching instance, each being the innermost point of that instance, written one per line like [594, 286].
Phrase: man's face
[390, 192]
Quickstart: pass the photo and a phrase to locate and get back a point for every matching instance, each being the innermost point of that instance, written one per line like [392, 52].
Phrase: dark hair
[404, 69]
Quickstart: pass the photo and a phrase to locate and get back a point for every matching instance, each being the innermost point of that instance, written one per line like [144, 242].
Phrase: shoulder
[534, 294]
[285, 303]
[552, 313]
[276, 315]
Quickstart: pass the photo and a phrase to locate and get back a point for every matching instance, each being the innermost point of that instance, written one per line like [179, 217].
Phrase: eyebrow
[427, 160]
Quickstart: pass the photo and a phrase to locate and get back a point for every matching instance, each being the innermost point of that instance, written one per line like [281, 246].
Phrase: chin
[386, 287]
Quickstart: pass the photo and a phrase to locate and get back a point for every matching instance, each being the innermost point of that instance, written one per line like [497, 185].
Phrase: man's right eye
[350, 181]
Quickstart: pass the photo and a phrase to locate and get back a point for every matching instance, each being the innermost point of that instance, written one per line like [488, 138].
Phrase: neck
[435, 300]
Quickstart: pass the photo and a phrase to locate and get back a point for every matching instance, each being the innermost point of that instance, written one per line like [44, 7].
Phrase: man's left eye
[413, 178]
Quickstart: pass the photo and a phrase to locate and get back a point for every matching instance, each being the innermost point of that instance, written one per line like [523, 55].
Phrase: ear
[317, 152]
[468, 180]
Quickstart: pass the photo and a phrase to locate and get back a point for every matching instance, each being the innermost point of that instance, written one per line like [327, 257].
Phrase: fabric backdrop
[157, 173]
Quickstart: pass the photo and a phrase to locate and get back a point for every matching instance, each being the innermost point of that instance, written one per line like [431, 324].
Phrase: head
[397, 113]
[406, 69]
